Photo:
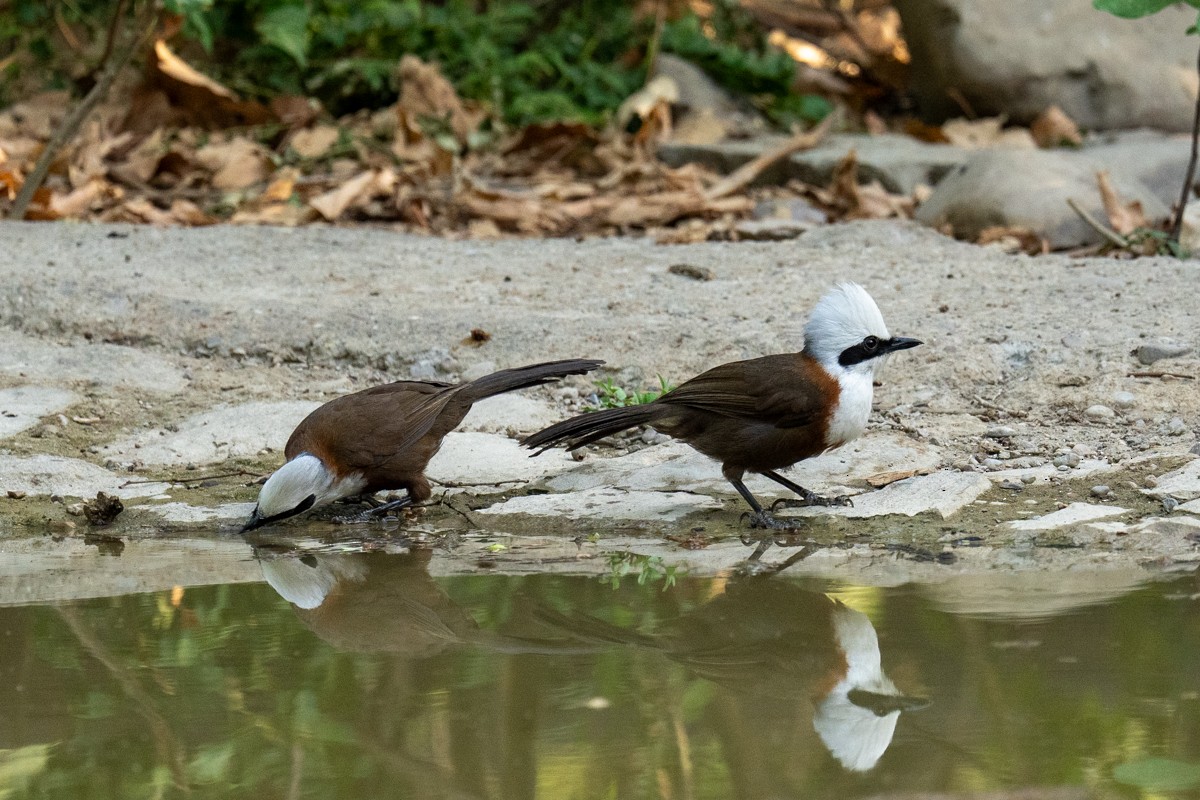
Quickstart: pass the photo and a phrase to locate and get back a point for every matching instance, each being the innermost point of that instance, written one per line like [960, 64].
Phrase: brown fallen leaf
[282, 185]
[77, 203]
[333, 204]
[881, 479]
[1014, 239]
[426, 94]
[236, 163]
[1053, 128]
[314, 142]
[976, 134]
[196, 97]
[1124, 218]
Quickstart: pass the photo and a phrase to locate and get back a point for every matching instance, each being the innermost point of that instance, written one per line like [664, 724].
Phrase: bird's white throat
[849, 419]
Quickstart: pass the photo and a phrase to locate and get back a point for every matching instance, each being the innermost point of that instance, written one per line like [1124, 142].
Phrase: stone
[239, 431]
[488, 459]
[1182, 484]
[706, 112]
[1157, 159]
[1123, 399]
[185, 513]
[942, 493]
[1073, 514]
[1098, 413]
[1017, 58]
[606, 502]
[1156, 351]
[23, 407]
[1028, 189]
[1100, 490]
[102, 364]
[769, 230]
[42, 475]
[510, 413]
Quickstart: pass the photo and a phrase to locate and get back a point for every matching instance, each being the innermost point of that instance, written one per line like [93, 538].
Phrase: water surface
[359, 675]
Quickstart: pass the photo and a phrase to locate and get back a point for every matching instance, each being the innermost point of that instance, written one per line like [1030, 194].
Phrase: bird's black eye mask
[257, 521]
[873, 347]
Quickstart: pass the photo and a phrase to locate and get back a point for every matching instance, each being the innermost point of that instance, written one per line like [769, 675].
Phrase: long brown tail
[506, 380]
[587, 428]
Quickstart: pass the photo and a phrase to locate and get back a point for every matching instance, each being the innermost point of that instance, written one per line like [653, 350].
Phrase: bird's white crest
[306, 583]
[843, 318]
[292, 483]
[856, 736]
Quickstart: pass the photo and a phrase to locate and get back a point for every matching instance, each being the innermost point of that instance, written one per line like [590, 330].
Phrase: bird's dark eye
[870, 344]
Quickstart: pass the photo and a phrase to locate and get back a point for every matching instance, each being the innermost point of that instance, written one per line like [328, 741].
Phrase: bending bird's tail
[506, 380]
[587, 428]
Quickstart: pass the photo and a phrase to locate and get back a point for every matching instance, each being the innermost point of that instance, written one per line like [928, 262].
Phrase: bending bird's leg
[807, 498]
[375, 511]
[760, 518]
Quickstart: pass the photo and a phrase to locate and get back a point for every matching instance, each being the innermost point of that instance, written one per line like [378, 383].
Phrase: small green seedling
[610, 395]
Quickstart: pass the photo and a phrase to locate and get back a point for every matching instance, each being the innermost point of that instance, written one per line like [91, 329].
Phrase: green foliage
[610, 395]
[649, 569]
[1133, 9]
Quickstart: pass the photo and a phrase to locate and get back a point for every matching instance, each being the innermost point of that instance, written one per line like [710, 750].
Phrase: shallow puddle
[360, 675]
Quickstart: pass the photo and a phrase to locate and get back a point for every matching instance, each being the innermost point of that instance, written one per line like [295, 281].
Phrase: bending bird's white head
[846, 332]
[300, 484]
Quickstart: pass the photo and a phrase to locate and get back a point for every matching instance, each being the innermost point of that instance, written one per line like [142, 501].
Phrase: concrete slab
[223, 433]
[23, 407]
[69, 477]
[1073, 514]
[101, 364]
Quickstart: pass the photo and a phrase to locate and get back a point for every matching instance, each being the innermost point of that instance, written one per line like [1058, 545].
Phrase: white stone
[21, 407]
[607, 503]
[1192, 506]
[488, 459]
[103, 364]
[943, 493]
[223, 433]
[69, 477]
[1071, 515]
[1182, 484]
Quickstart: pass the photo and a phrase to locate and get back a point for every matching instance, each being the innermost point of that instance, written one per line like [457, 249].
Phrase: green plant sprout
[610, 395]
[649, 569]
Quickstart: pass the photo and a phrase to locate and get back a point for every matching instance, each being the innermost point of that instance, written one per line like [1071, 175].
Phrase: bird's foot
[373, 512]
[812, 499]
[762, 520]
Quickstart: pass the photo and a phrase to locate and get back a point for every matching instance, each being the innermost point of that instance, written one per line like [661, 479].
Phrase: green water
[397, 684]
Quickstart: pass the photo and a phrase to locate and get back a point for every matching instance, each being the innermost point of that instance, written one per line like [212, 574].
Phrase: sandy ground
[111, 333]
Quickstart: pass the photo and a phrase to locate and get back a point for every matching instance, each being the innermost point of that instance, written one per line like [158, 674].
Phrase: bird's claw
[763, 520]
[812, 499]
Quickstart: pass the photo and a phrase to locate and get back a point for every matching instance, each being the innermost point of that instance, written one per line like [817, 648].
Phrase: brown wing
[787, 391]
[365, 429]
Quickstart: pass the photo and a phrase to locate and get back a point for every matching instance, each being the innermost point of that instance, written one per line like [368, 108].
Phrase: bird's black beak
[256, 521]
[901, 343]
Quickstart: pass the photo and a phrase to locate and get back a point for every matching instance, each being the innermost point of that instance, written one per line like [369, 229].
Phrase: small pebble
[1100, 490]
[1028, 479]
[1150, 482]
[1099, 412]
[1156, 351]
[1169, 504]
[1176, 427]
[75, 509]
[1067, 460]
[1012, 486]
[15, 494]
[1123, 399]
[1000, 432]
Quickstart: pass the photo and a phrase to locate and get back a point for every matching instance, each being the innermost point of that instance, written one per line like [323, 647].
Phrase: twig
[195, 479]
[70, 125]
[744, 175]
[1177, 228]
[652, 49]
[113, 25]
[1096, 225]
[1158, 374]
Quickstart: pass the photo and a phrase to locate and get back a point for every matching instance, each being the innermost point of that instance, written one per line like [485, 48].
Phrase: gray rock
[23, 406]
[769, 230]
[1100, 490]
[103, 364]
[942, 493]
[510, 413]
[1028, 189]
[1123, 399]
[1157, 159]
[1176, 427]
[488, 459]
[1157, 351]
[1099, 413]
[1182, 484]
[1018, 57]
[607, 502]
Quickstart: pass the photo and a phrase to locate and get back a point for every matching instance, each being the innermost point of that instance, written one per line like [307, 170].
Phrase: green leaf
[1132, 9]
[1158, 774]
[286, 27]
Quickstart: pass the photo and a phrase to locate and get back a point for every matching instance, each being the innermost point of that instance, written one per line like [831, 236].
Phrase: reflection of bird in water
[378, 602]
[772, 638]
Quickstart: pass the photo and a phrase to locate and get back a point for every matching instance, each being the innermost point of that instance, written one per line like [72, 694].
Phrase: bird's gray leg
[807, 497]
[760, 518]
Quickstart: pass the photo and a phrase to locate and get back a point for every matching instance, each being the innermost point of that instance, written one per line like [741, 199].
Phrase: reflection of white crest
[857, 736]
[305, 581]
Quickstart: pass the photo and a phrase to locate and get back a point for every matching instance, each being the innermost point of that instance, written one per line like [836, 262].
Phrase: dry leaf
[286, 214]
[333, 204]
[1124, 218]
[425, 93]
[1053, 128]
[196, 97]
[881, 479]
[77, 203]
[1014, 239]
[988, 132]
[314, 142]
[282, 185]
[235, 164]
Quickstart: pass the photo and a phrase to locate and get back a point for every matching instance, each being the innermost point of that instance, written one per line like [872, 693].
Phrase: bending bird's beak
[256, 521]
[902, 343]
